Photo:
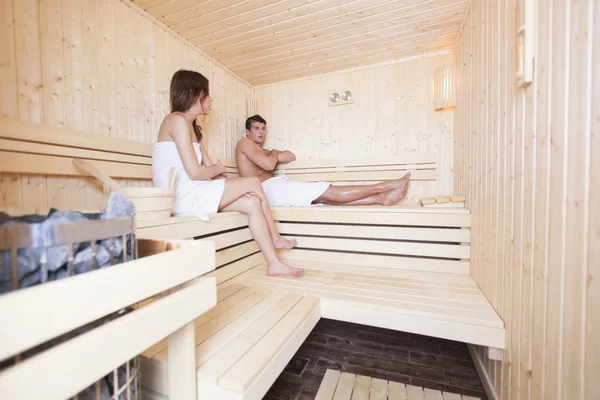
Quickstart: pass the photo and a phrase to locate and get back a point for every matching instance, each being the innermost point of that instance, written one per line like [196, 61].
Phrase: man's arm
[286, 157]
[267, 162]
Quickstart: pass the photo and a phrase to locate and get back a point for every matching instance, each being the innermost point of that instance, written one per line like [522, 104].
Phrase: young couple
[203, 188]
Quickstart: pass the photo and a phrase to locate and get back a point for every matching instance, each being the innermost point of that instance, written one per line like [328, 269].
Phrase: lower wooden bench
[448, 306]
[398, 268]
[242, 344]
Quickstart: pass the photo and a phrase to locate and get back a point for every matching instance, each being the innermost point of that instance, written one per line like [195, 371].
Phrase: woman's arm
[180, 132]
[206, 161]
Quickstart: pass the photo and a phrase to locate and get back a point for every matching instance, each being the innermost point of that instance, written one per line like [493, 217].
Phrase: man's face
[257, 132]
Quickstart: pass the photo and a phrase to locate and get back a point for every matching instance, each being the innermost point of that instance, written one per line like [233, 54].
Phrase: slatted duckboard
[338, 385]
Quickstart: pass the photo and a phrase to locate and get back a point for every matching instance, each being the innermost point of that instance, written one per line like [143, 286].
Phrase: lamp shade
[443, 89]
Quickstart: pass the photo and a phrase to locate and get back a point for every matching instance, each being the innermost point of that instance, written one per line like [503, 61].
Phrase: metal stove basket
[36, 249]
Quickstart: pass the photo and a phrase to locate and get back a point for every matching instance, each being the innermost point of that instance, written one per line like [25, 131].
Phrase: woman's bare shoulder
[173, 125]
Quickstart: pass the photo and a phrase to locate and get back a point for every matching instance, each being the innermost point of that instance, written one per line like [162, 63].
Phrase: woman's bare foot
[396, 183]
[394, 196]
[281, 269]
[283, 243]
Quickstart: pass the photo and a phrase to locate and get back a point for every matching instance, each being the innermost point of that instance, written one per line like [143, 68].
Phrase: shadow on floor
[380, 353]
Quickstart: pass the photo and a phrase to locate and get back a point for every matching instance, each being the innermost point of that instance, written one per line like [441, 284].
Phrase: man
[254, 161]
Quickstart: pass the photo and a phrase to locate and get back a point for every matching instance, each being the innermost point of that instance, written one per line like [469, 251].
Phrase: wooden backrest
[32, 148]
[34, 315]
[423, 167]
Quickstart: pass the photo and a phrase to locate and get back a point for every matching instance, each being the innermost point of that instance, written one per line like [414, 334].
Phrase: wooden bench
[404, 268]
[35, 315]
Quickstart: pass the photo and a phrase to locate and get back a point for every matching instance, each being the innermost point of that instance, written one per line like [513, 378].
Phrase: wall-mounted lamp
[443, 87]
[335, 99]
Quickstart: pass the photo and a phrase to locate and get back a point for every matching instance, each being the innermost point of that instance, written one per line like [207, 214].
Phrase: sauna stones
[29, 260]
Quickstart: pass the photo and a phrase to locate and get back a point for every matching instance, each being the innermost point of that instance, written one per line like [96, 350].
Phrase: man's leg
[385, 193]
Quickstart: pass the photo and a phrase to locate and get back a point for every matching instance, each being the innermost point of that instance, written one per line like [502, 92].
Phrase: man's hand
[286, 157]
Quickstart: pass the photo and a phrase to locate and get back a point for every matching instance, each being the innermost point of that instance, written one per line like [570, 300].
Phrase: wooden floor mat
[346, 386]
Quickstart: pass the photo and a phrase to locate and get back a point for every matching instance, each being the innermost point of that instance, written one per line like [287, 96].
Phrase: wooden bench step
[441, 305]
[243, 343]
[338, 385]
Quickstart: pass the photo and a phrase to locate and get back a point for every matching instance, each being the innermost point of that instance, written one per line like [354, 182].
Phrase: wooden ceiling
[266, 41]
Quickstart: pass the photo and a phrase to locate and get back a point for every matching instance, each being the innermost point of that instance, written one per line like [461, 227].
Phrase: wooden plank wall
[100, 66]
[527, 161]
[392, 113]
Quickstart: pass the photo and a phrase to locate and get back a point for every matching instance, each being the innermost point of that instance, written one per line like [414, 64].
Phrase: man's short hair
[254, 118]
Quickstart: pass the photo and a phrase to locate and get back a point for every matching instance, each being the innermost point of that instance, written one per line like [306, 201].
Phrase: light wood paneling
[104, 67]
[275, 40]
[524, 160]
[392, 115]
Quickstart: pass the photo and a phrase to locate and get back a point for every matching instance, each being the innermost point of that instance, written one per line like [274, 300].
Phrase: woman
[201, 187]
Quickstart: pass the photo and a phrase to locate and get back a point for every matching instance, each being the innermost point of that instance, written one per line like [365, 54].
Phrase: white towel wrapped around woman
[199, 198]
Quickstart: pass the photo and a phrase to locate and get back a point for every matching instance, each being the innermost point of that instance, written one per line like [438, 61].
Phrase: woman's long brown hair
[186, 88]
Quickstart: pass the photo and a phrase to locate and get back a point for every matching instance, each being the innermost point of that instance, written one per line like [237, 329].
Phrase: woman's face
[206, 104]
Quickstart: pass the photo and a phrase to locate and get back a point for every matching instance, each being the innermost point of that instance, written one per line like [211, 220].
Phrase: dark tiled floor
[379, 353]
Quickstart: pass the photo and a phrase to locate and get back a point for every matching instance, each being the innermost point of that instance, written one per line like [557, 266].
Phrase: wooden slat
[240, 376]
[371, 217]
[384, 247]
[229, 238]
[328, 385]
[415, 175]
[383, 162]
[379, 389]
[191, 227]
[52, 165]
[452, 396]
[396, 391]
[73, 152]
[370, 262]
[431, 394]
[362, 387]
[414, 393]
[229, 271]
[344, 387]
[237, 252]
[272, 371]
[371, 232]
[215, 361]
[40, 133]
[109, 346]
[106, 290]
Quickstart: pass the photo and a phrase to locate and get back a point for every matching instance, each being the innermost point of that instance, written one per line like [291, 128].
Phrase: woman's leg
[258, 227]
[237, 187]
[351, 194]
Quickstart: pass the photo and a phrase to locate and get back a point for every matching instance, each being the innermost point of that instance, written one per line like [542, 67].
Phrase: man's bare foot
[281, 269]
[396, 183]
[283, 243]
[394, 196]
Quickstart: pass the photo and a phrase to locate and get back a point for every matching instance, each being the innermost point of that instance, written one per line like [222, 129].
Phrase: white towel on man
[192, 197]
[283, 192]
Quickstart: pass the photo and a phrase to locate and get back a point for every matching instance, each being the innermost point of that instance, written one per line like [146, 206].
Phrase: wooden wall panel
[392, 114]
[100, 66]
[525, 161]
